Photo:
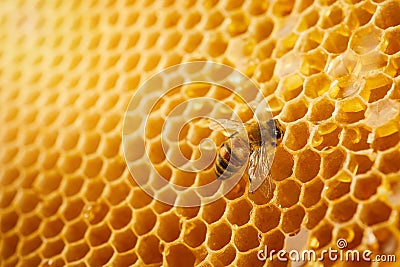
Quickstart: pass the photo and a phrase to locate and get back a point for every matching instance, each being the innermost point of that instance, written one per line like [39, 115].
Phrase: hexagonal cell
[124, 240]
[75, 252]
[238, 23]
[365, 39]
[100, 256]
[332, 17]
[322, 110]
[387, 15]
[343, 210]
[149, 249]
[246, 238]
[8, 221]
[389, 162]
[121, 216]
[282, 9]
[308, 19]
[384, 143]
[75, 231]
[282, 166]
[312, 192]
[375, 212]
[288, 193]
[321, 236]
[118, 193]
[274, 240]
[292, 86]
[317, 84]
[214, 19]
[315, 214]
[359, 163]
[169, 227]
[294, 110]
[53, 247]
[180, 255]
[195, 232]
[292, 220]
[356, 139]
[29, 225]
[213, 212]
[239, 212]
[366, 186]
[219, 235]
[353, 234]
[307, 166]
[337, 39]
[338, 186]
[223, 257]
[73, 209]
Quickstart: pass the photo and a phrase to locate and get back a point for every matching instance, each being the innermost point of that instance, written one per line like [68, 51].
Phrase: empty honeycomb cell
[322, 110]
[73, 209]
[8, 221]
[98, 235]
[70, 163]
[214, 20]
[51, 205]
[338, 186]
[308, 165]
[288, 193]
[375, 212]
[92, 167]
[121, 217]
[30, 244]
[322, 236]
[337, 40]
[139, 199]
[239, 212]
[312, 193]
[75, 231]
[274, 240]
[387, 142]
[392, 41]
[118, 193]
[292, 86]
[7, 197]
[29, 225]
[9, 246]
[282, 167]
[52, 227]
[214, 211]
[217, 45]
[30, 157]
[94, 190]
[180, 255]
[246, 238]
[315, 214]
[169, 227]
[124, 240]
[188, 212]
[282, 8]
[219, 235]
[192, 19]
[386, 15]
[10, 175]
[343, 210]
[389, 162]
[53, 248]
[313, 59]
[294, 110]
[356, 139]
[155, 147]
[73, 186]
[365, 39]
[47, 183]
[332, 17]
[144, 221]
[224, 257]
[149, 249]
[296, 137]
[100, 256]
[267, 218]
[332, 162]
[292, 220]
[367, 186]
[91, 143]
[195, 233]
[309, 20]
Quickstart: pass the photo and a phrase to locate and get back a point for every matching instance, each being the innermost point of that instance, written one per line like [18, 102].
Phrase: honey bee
[252, 141]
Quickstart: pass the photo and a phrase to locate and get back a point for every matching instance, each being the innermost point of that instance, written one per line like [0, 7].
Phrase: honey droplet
[317, 140]
[326, 128]
[314, 242]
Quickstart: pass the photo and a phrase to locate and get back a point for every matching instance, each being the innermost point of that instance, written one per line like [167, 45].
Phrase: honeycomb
[329, 71]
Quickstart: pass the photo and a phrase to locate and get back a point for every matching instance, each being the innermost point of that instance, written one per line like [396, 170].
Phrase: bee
[251, 142]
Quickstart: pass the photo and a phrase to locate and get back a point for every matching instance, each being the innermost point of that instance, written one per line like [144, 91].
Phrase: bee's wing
[259, 167]
[229, 126]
